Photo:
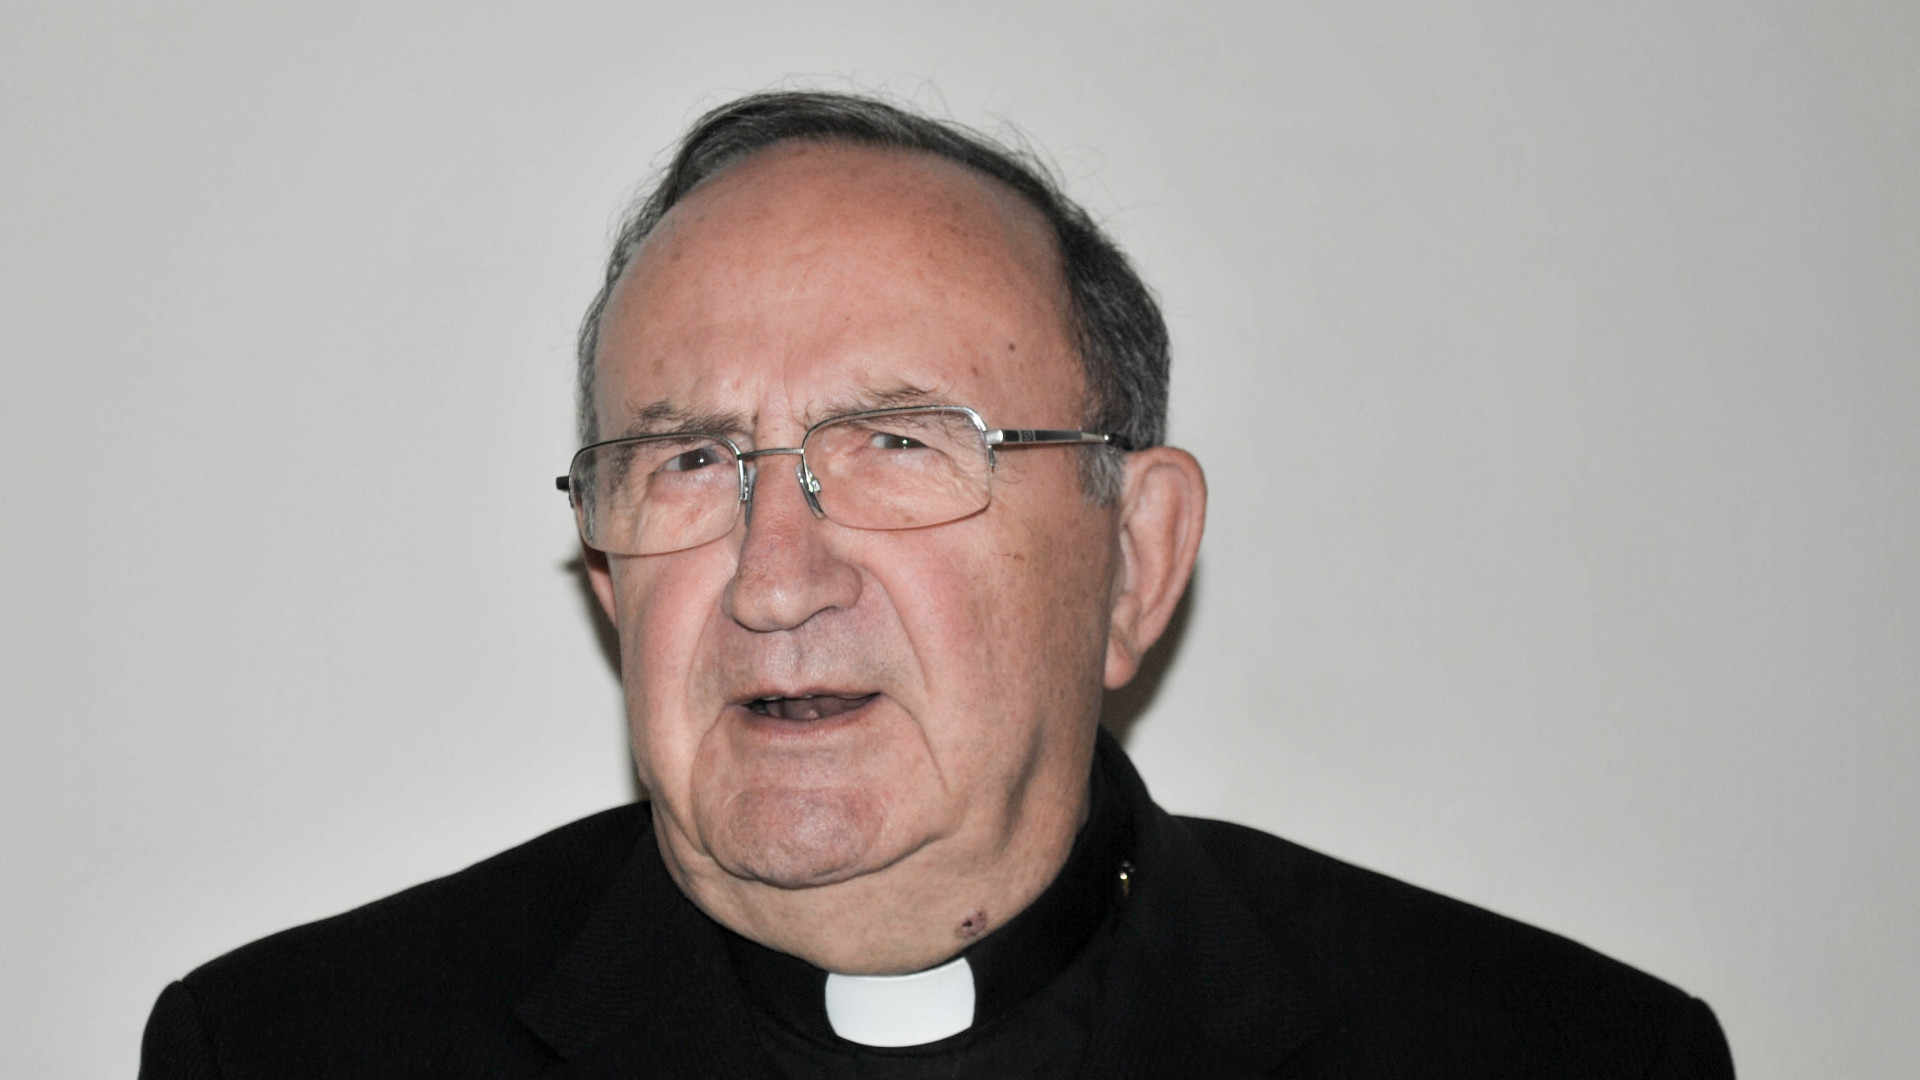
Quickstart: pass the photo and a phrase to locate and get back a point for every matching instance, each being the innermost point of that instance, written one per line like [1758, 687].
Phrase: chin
[796, 838]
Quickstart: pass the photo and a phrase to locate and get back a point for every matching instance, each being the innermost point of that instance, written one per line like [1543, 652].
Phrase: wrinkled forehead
[819, 271]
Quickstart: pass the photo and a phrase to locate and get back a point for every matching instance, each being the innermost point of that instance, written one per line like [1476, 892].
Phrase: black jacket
[1237, 954]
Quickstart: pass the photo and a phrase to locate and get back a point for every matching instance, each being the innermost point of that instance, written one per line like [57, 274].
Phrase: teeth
[807, 706]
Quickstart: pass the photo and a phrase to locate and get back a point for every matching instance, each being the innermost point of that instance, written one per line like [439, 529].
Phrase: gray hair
[1115, 322]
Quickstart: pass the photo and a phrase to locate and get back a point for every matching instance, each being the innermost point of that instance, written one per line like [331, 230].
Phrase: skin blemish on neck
[972, 926]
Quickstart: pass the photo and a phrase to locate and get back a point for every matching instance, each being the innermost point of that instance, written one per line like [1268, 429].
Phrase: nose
[789, 569]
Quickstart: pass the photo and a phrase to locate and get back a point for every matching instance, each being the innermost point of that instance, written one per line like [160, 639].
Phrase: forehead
[815, 272]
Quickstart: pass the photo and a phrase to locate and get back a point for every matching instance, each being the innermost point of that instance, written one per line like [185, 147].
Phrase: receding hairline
[1024, 226]
[1022, 231]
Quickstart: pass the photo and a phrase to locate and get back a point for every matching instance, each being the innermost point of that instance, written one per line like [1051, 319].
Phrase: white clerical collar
[902, 1010]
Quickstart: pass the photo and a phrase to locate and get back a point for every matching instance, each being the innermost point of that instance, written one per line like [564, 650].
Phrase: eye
[693, 460]
[884, 440]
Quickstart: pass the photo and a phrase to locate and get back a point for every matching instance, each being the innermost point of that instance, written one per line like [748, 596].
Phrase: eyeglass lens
[898, 470]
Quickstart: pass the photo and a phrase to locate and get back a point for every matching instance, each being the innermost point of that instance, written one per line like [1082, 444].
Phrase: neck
[1002, 971]
[916, 913]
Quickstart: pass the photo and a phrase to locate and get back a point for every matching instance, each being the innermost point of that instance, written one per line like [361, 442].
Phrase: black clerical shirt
[1234, 956]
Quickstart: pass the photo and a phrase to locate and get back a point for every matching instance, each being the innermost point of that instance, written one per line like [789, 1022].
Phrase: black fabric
[1237, 954]
[1036, 980]
[1042, 1037]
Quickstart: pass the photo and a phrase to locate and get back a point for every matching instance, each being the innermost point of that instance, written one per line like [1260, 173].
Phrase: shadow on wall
[1119, 711]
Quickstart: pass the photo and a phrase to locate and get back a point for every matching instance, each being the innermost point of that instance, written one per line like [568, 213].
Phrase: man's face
[937, 688]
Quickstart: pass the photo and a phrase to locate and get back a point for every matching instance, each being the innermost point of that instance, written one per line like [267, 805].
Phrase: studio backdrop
[1553, 367]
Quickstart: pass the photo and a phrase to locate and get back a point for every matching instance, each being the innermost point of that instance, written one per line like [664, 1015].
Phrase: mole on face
[972, 926]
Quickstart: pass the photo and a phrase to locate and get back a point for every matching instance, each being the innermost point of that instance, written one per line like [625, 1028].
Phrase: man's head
[865, 746]
[1115, 324]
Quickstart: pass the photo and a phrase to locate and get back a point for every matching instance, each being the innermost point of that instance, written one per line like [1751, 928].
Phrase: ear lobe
[600, 576]
[1163, 510]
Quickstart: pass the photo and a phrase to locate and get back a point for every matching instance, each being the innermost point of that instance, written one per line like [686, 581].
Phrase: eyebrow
[667, 417]
[898, 396]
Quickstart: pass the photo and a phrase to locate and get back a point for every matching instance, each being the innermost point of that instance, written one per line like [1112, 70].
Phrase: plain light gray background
[1554, 367]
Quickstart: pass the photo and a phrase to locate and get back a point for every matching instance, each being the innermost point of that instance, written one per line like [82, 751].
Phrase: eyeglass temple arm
[1010, 437]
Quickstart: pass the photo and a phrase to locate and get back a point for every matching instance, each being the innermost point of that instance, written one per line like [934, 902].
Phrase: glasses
[880, 469]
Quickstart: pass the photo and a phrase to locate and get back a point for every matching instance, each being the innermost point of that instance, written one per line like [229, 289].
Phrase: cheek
[1009, 625]
[665, 605]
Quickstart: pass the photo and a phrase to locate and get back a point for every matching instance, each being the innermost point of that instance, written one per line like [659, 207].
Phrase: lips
[808, 706]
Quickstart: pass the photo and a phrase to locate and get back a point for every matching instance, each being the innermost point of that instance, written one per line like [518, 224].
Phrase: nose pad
[749, 479]
[809, 483]
[810, 487]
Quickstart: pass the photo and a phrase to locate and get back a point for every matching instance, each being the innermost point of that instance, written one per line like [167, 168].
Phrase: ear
[600, 576]
[1163, 509]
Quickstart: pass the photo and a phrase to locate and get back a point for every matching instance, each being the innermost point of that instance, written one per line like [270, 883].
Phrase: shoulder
[517, 901]
[1379, 919]
[450, 957]
[1401, 965]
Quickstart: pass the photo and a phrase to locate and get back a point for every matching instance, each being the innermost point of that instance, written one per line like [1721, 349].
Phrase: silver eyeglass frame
[995, 439]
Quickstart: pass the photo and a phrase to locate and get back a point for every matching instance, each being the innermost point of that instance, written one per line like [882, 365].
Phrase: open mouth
[808, 706]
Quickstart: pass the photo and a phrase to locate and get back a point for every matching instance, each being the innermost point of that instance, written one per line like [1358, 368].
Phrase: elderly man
[874, 493]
